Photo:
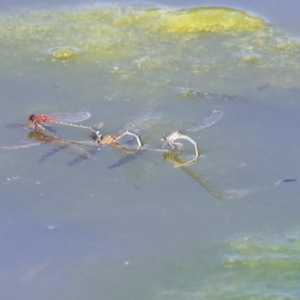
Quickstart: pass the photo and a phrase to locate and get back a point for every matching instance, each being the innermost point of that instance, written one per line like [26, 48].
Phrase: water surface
[147, 229]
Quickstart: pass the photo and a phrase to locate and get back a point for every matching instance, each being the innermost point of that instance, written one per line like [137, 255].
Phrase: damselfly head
[98, 140]
[31, 117]
[164, 138]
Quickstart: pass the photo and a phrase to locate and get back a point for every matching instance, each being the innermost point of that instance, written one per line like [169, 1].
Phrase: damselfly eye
[31, 117]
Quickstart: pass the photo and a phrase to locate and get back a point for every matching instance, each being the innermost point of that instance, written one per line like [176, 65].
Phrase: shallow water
[148, 229]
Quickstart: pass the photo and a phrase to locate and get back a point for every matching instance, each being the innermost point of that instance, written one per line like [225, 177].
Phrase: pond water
[226, 227]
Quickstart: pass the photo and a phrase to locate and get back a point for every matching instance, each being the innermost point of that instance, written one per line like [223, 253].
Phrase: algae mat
[208, 43]
[113, 30]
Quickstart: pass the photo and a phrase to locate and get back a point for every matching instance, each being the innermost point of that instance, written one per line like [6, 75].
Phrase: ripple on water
[62, 53]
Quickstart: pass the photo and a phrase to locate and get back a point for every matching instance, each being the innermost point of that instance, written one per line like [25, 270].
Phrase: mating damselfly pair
[132, 128]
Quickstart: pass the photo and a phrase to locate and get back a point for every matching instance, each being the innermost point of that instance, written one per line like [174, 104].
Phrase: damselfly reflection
[174, 158]
[77, 148]
[80, 149]
[204, 182]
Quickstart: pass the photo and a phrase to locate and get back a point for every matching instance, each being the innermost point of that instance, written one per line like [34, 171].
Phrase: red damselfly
[67, 118]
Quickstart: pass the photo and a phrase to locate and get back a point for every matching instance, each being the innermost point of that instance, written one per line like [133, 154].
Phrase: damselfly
[138, 122]
[169, 139]
[67, 118]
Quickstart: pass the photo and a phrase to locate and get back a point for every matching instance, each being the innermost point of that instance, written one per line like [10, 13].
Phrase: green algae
[214, 44]
[253, 267]
[262, 266]
[196, 20]
[210, 20]
[113, 31]
[274, 253]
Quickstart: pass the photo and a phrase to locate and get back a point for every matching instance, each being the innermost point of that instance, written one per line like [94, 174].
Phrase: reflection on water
[174, 158]
[214, 191]
[71, 147]
[84, 150]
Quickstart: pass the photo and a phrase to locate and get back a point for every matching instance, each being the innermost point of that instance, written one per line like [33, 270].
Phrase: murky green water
[148, 230]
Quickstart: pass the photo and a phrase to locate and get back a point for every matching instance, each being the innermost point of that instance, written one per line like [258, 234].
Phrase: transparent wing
[142, 119]
[210, 120]
[70, 117]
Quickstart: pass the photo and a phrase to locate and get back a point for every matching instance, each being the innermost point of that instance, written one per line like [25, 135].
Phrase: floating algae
[210, 20]
[112, 30]
[252, 267]
[212, 45]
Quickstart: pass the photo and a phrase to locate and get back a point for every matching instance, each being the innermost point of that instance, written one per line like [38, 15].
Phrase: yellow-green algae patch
[261, 267]
[261, 253]
[209, 20]
[112, 31]
[211, 43]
